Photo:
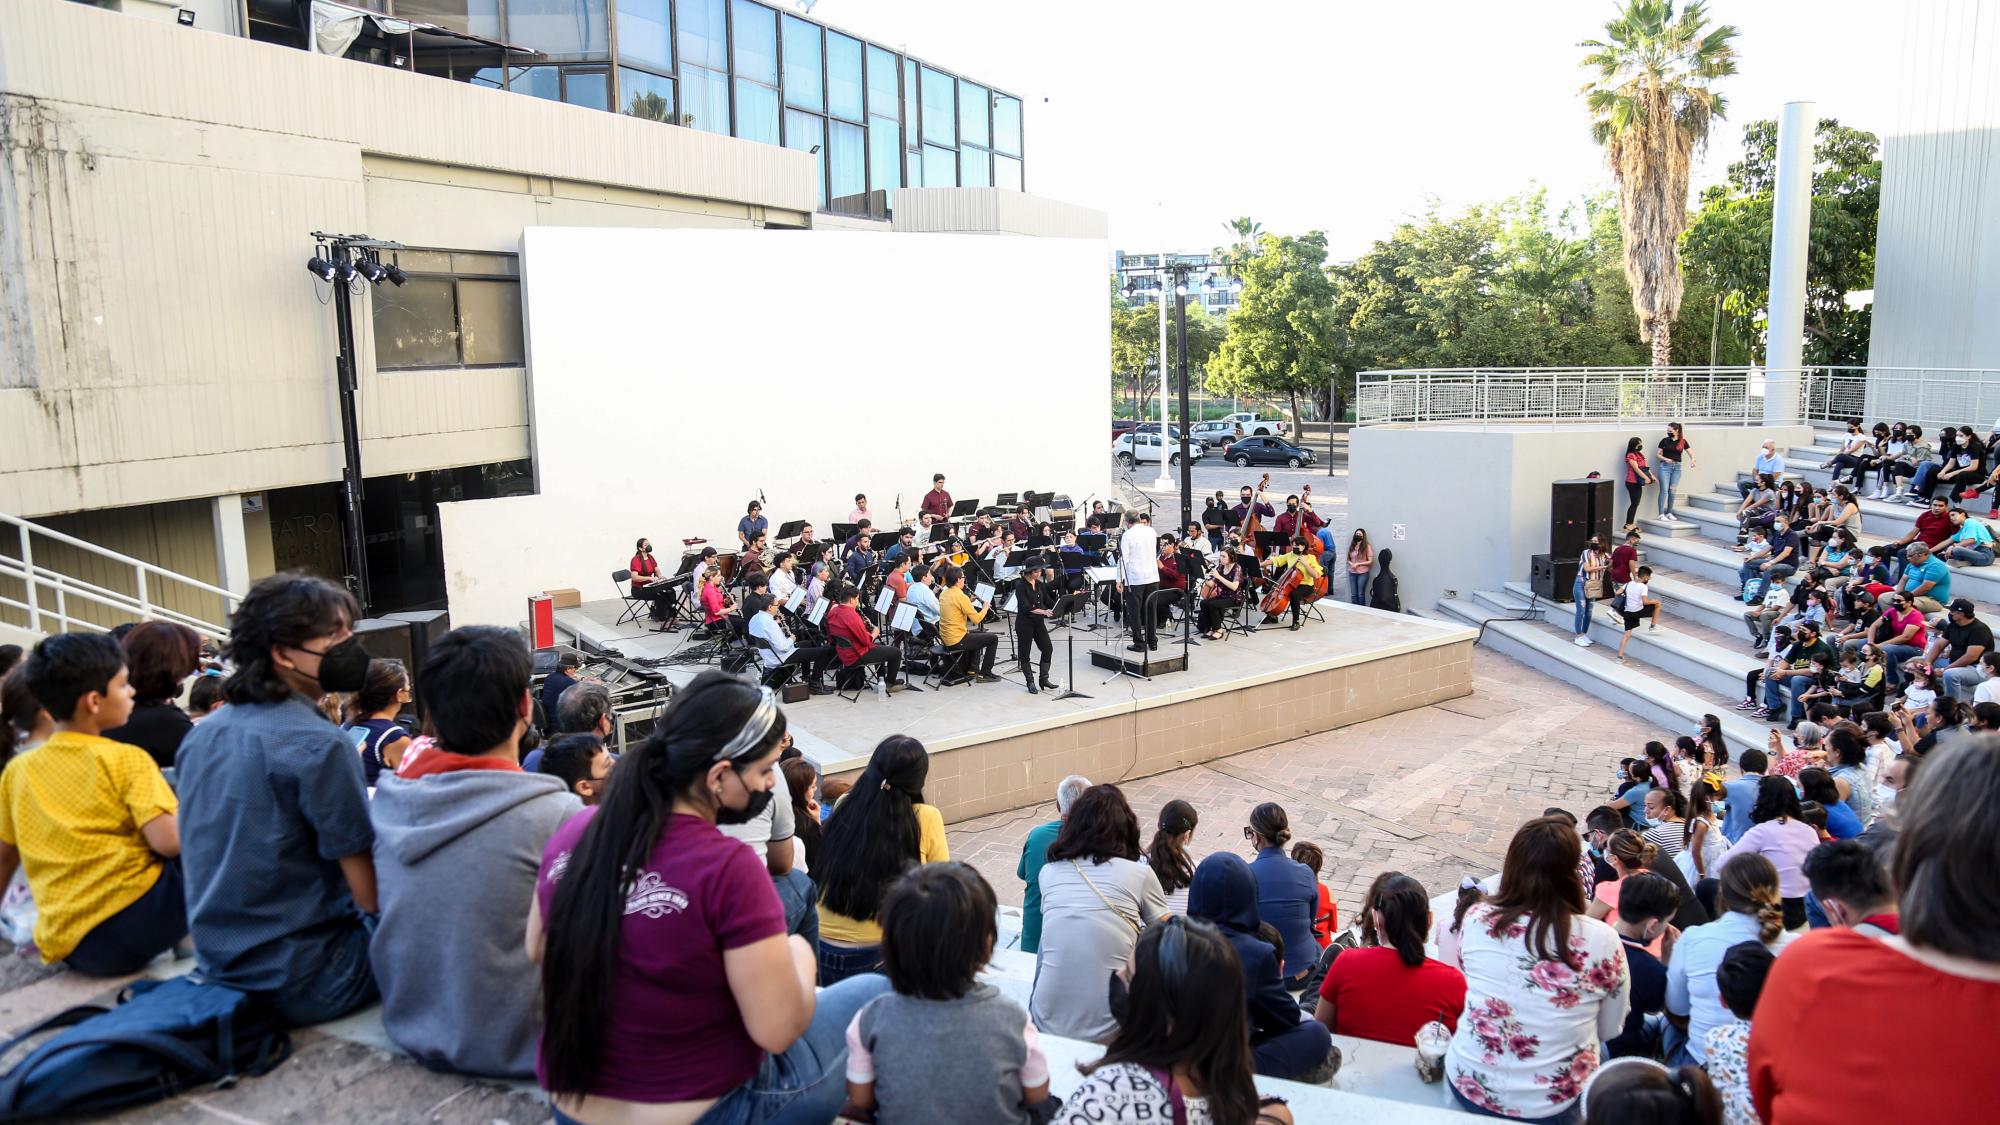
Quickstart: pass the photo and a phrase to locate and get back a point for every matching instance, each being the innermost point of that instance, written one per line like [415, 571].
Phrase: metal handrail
[34, 577]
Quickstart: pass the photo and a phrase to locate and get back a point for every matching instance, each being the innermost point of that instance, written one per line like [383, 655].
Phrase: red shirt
[1376, 996]
[1933, 529]
[845, 621]
[937, 502]
[712, 603]
[1917, 1045]
[1622, 558]
[1635, 463]
[898, 581]
[643, 566]
[1288, 523]
[1326, 919]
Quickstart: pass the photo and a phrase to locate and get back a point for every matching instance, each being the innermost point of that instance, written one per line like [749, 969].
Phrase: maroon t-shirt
[1622, 558]
[674, 1032]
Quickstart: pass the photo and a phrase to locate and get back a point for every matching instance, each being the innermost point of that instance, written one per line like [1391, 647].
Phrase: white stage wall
[674, 373]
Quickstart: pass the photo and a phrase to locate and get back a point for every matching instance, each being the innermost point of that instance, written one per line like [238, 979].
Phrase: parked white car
[1139, 449]
[1254, 426]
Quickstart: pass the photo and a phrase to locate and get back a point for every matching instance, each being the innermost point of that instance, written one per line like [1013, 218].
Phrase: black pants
[664, 600]
[1136, 617]
[975, 646]
[1163, 609]
[1213, 610]
[811, 661]
[1033, 629]
[124, 942]
[1633, 490]
[890, 659]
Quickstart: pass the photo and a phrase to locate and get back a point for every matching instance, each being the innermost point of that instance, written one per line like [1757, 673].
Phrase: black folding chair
[855, 679]
[634, 606]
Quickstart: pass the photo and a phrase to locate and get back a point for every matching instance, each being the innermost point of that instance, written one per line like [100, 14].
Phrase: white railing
[55, 602]
[1930, 396]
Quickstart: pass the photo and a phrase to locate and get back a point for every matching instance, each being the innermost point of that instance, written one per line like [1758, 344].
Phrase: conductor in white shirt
[1138, 577]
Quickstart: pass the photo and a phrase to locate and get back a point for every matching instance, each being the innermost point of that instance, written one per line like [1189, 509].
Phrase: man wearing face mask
[457, 844]
[275, 835]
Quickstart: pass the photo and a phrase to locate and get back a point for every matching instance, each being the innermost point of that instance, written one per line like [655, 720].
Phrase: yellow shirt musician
[1310, 574]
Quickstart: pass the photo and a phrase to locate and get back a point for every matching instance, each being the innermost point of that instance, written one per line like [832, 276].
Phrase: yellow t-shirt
[955, 615]
[73, 806]
[931, 848]
[1308, 565]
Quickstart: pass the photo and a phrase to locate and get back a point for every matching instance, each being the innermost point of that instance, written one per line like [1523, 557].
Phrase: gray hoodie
[455, 860]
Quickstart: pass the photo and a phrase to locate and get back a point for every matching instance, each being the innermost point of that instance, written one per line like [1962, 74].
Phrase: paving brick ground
[1434, 793]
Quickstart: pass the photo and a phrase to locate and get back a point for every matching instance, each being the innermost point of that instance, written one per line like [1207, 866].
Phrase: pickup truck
[1254, 426]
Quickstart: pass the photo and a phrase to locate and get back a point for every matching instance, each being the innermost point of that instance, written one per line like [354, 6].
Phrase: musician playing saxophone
[1305, 561]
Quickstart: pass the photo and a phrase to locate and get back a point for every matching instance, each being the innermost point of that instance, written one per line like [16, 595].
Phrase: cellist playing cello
[1296, 578]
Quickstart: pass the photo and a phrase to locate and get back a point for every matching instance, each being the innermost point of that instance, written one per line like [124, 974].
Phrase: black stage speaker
[1578, 510]
[426, 626]
[1554, 579]
[387, 639]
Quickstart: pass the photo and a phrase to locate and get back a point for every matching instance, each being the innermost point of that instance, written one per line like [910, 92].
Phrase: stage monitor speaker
[426, 626]
[1578, 510]
[386, 639]
[1554, 579]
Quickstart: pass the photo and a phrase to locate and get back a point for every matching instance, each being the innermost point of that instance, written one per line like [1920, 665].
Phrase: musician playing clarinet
[937, 501]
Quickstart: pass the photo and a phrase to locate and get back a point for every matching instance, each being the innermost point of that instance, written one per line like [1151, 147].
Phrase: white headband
[755, 729]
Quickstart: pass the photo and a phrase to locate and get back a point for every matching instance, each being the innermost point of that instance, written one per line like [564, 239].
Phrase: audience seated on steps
[276, 841]
[90, 820]
[678, 984]
[1389, 989]
[1287, 893]
[1646, 905]
[880, 829]
[1096, 897]
[457, 847]
[1035, 853]
[1283, 1042]
[772, 836]
[1600, 824]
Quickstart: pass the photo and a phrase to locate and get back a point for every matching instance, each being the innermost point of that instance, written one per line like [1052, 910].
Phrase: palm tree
[1651, 106]
[1247, 231]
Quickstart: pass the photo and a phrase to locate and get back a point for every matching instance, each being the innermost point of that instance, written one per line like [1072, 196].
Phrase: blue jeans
[1582, 607]
[1571, 1116]
[1357, 589]
[807, 1082]
[1959, 683]
[1773, 693]
[1669, 473]
[1971, 553]
[1294, 1052]
[838, 962]
[801, 902]
[344, 983]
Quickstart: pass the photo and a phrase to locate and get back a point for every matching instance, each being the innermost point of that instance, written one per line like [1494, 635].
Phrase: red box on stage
[541, 621]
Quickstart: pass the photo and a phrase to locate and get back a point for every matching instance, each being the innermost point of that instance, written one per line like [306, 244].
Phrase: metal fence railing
[1932, 397]
[50, 601]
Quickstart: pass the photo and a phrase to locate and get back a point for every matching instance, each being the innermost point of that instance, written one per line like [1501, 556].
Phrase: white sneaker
[1583, 640]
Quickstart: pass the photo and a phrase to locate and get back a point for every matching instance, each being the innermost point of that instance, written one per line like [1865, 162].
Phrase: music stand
[883, 540]
[1092, 540]
[1273, 542]
[810, 553]
[790, 529]
[963, 508]
[939, 532]
[1008, 500]
[1194, 565]
[1061, 611]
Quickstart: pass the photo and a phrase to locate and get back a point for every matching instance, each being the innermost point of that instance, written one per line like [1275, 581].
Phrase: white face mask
[1885, 797]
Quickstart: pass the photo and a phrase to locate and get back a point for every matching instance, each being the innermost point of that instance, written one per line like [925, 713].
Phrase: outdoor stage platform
[996, 747]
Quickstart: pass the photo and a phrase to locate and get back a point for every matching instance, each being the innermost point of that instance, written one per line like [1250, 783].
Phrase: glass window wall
[474, 17]
[756, 112]
[756, 31]
[843, 76]
[972, 168]
[590, 88]
[1006, 172]
[973, 100]
[703, 33]
[560, 28]
[645, 95]
[847, 160]
[940, 114]
[882, 85]
[704, 99]
[1007, 125]
[645, 34]
[802, 65]
[940, 166]
[806, 132]
[885, 154]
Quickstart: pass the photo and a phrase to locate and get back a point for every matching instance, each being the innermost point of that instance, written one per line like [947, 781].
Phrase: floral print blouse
[1529, 1036]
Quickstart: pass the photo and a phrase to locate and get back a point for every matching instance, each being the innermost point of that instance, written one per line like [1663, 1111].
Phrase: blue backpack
[1753, 591]
[164, 1036]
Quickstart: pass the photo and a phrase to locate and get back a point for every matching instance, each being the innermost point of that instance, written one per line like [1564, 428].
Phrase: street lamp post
[1174, 275]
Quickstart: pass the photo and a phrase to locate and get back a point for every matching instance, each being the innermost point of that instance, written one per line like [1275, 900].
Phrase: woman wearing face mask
[670, 991]
[1589, 584]
[649, 585]
[879, 830]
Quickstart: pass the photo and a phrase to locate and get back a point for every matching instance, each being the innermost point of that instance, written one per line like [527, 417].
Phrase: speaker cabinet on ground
[426, 626]
[1579, 509]
[1554, 579]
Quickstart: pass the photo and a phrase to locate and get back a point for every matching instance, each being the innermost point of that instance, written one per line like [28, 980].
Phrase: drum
[726, 562]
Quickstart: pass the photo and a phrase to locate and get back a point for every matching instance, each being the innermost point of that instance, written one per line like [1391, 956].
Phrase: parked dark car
[1121, 426]
[1268, 451]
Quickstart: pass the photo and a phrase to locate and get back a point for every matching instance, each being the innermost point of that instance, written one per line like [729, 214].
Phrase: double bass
[1251, 524]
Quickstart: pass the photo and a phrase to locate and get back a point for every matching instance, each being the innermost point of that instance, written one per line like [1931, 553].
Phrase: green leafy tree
[1651, 105]
[1247, 231]
[1135, 345]
[650, 106]
[1728, 246]
[1280, 340]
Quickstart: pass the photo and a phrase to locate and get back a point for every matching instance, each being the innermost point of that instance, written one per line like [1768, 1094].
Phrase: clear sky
[1176, 116]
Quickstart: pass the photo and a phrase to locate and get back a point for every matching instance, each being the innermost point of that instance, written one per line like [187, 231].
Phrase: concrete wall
[1474, 503]
[810, 365]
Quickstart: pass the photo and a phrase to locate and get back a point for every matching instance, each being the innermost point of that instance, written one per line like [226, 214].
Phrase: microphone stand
[1066, 606]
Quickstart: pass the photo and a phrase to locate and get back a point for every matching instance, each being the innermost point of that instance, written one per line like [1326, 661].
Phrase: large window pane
[1007, 124]
[847, 160]
[885, 154]
[416, 324]
[910, 135]
[940, 166]
[756, 110]
[537, 82]
[591, 88]
[703, 33]
[882, 92]
[558, 27]
[805, 132]
[475, 17]
[802, 77]
[940, 114]
[704, 99]
[972, 168]
[756, 31]
[644, 33]
[914, 163]
[843, 76]
[489, 320]
[972, 108]
[645, 95]
[1006, 172]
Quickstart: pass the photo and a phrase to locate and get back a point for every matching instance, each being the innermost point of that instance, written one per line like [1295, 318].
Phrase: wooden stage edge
[996, 748]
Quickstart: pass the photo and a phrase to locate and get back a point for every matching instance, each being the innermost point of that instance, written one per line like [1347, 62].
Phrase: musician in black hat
[1033, 599]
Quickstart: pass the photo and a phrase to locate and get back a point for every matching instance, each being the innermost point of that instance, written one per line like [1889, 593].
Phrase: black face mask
[344, 667]
[749, 812]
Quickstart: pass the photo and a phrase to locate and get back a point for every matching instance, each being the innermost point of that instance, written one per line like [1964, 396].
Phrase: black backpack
[162, 1038]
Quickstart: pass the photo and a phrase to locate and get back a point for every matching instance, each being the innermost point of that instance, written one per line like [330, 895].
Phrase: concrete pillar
[232, 552]
[1791, 218]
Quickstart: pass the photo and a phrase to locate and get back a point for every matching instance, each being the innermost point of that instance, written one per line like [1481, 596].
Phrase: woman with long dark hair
[1674, 449]
[1637, 477]
[1182, 1052]
[1360, 560]
[1167, 854]
[1096, 897]
[881, 829]
[159, 656]
[1714, 748]
[670, 991]
[1389, 990]
[801, 785]
[371, 717]
[1666, 775]
[1779, 833]
[1545, 984]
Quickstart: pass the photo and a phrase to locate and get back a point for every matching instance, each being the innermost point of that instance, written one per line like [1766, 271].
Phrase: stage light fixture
[344, 271]
[320, 268]
[395, 274]
[371, 269]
